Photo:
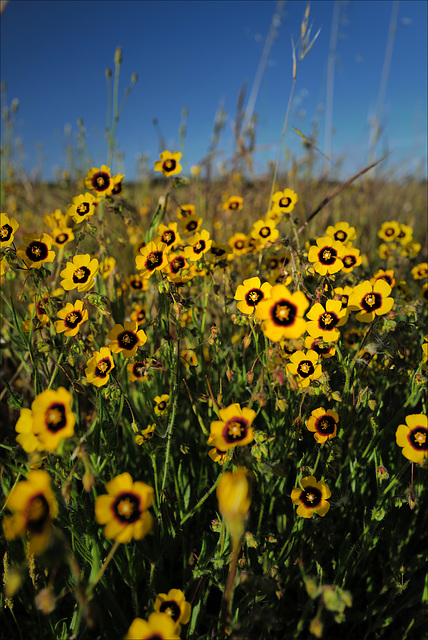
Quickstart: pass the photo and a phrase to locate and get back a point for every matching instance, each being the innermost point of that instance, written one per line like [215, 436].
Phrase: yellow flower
[151, 258]
[284, 201]
[264, 232]
[136, 283]
[326, 256]
[8, 227]
[139, 314]
[159, 626]
[72, 317]
[190, 224]
[351, 258]
[34, 506]
[80, 273]
[305, 366]
[185, 210]
[83, 207]
[161, 404]
[251, 293]
[324, 321]
[126, 339]
[387, 275]
[233, 429]
[99, 367]
[53, 419]
[137, 371]
[282, 314]
[145, 434]
[420, 271]
[239, 244]
[413, 437]
[323, 423]
[36, 250]
[100, 181]
[26, 437]
[200, 243]
[174, 605]
[169, 163]
[342, 232]
[234, 203]
[389, 231]
[123, 510]
[234, 500]
[62, 236]
[370, 300]
[107, 266]
[311, 498]
[168, 235]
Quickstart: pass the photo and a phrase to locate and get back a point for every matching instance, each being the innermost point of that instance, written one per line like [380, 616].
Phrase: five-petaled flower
[123, 510]
[174, 605]
[282, 314]
[36, 250]
[100, 181]
[99, 367]
[326, 256]
[233, 429]
[251, 293]
[413, 437]
[234, 203]
[126, 339]
[151, 258]
[83, 207]
[8, 227]
[305, 366]
[370, 300]
[159, 626]
[80, 273]
[169, 163]
[311, 498]
[325, 320]
[323, 424]
[199, 244]
[284, 201]
[264, 232]
[342, 231]
[34, 506]
[161, 404]
[72, 317]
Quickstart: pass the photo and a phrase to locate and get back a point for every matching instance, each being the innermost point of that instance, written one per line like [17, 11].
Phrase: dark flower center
[103, 367]
[61, 238]
[218, 251]
[37, 251]
[387, 279]
[127, 340]
[283, 313]
[138, 369]
[162, 405]
[389, 231]
[320, 348]
[265, 232]
[82, 274]
[126, 508]
[349, 261]
[154, 259]
[83, 208]
[284, 202]
[253, 297]
[239, 244]
[191, 226]
[136, 284]
[199, 247]
[235, 429]
[418, 438]
[311, 497]
[5, 232]
[41, 306]
[168, 237]
[100, 181]
[340, 235]
[325, 425]
[55, 417]
[327, 321]
[305, 368]
[344, 300]
[327, 255]
[117, 189]
[72, 319]
[176, 264]
[37, 513]
[371, 301]
[169, 165]
[141, 315]
[171, 608]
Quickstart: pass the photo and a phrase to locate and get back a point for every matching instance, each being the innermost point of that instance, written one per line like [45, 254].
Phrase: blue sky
[198, 54]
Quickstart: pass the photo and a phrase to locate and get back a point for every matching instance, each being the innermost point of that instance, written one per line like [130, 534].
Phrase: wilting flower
[82, 207]
[159, 626]
[99, 180]
[126, 339]
[72, 316]
[174, 605]
[199, 244]
[326, 256]
[370, 300]
[217, 455]
[284, 200]
[151, 258]
[234, 500]
[389, 231]
[124, 509]
[8, 227]
[169, 163]
[36, 250]
[413, 437]
[250, 293]
[145, 434]
[161, 404]
[34, 507]
[80, 273]
[323, 423]
[305, 366]
[233, 429]
[282, 314]
[39, 306]
[324, 321]
[311, 498]
[99, 367]
[342, 232]
[234, 203]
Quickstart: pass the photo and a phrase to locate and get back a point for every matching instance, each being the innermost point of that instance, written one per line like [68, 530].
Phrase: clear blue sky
[198, 54]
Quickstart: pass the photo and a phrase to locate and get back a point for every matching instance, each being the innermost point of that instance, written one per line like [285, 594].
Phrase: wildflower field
[214, 419]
